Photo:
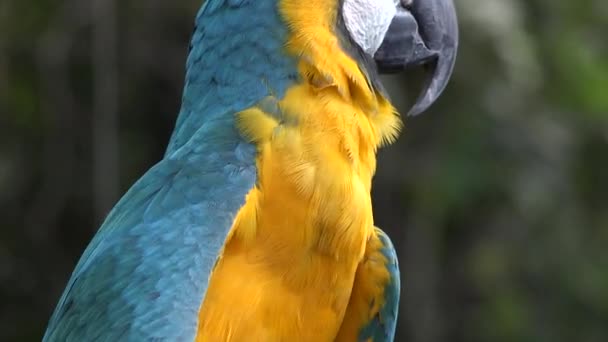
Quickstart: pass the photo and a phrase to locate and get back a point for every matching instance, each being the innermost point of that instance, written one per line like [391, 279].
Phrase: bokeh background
[497, 198]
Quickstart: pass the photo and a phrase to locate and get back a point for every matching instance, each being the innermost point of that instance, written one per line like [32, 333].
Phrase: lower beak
[426, 33]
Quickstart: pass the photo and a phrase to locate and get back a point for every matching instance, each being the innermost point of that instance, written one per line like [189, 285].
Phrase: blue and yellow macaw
[257, 224]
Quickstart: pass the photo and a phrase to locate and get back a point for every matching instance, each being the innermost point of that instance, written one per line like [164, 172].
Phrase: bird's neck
[232, 64]
[326, 54]
[281, 48]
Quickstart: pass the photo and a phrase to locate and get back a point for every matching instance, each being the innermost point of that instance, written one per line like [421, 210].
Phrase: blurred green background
[497, 198]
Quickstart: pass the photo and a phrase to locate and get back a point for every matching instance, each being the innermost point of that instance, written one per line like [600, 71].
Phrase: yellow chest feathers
[290, 259]
[315, 165]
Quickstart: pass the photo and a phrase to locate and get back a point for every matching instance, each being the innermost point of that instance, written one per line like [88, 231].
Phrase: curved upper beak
[424, 33]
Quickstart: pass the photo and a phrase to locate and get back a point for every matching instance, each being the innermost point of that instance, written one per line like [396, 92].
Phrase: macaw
[257, 223]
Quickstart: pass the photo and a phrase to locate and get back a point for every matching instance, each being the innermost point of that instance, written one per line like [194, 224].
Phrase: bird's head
[336, 44]
[385, 36]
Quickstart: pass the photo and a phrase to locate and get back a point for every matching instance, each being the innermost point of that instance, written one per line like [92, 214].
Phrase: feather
[145, 273]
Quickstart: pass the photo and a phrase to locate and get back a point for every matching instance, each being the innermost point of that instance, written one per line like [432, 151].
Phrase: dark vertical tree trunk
[105, 107]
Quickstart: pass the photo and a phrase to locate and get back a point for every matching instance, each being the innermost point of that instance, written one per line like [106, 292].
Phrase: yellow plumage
[295, 252]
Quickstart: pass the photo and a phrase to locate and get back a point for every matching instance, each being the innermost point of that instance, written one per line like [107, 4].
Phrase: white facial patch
[368, 20]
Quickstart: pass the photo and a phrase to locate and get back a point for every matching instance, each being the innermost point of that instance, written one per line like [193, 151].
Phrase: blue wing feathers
[145, 273]
[150, 267]
[382, 327]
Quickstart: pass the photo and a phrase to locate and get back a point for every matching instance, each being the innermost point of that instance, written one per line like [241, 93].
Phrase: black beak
[424, 33]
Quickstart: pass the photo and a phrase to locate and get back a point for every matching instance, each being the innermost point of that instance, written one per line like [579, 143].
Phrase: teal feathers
[145, 273]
